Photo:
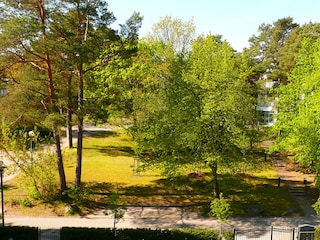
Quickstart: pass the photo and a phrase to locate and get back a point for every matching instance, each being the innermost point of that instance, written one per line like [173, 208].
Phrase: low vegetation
[109, 166]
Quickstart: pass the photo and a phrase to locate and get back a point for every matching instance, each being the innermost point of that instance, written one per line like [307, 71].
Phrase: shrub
[137, 234]
[317, 233]
[67, 233]
[19, 233]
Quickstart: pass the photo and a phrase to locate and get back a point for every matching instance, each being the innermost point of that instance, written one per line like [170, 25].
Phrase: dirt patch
[291, 172]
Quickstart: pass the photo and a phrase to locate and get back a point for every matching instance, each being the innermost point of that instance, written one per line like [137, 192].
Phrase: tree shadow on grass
[101, 133]
[110, 150]
[241, 190]
[114, 151]
[259, 193]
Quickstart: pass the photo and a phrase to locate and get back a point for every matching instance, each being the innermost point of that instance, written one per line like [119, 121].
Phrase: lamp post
[2, 201]
[31, 135]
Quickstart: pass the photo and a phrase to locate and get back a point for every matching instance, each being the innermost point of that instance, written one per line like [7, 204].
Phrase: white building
[266, 110]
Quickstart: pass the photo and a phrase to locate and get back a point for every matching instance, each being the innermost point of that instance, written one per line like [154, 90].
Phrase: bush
[317, 233]
[195, 234]
[137, 234]
[67, 233]
[19, 233]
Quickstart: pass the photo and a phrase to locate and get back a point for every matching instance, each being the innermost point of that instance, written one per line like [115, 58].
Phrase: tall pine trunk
[52, 97]
[69, 114]
[77, 181]
[62, 176]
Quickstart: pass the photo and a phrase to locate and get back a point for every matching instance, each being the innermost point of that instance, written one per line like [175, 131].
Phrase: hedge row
[18, 233]
[137, 234]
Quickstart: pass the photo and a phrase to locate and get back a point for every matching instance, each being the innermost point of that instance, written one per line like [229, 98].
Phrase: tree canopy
[298, 118]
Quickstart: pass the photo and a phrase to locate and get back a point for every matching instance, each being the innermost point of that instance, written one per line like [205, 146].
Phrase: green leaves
[220, 208]
[298, 118]
[191, 108]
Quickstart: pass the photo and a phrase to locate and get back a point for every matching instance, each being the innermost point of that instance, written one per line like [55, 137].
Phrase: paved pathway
[294, 181]
[151, 217]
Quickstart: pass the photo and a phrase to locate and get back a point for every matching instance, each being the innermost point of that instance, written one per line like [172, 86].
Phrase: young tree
[221, 209]
[37, 167]
[157, 74]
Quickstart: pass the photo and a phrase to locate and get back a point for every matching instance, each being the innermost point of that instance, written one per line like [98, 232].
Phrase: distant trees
[266, 48]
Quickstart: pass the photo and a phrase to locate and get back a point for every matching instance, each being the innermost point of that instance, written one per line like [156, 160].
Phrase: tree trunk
[69, 114]
[62, 176]
[214, 169]
[77, 181]
[69, 130]
[52, 96]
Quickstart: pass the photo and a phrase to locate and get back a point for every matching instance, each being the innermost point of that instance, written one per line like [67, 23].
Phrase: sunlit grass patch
[108, 157]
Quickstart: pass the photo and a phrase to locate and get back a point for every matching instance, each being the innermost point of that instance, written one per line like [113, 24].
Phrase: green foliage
[54, 121]
[78, 197]
[298, 118]
[181, 119]
[37, 167]
[266, 48]
[317, 233]
[39, 179]
[146, 234]
[116, 208]
[25, 202]
[85, 233]
[174, 33]
[220, 208]
[316, 206]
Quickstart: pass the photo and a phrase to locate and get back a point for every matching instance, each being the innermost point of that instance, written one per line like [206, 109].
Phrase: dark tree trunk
[52, 97]
[69, 114]
[62, 176]
[77, 181]
[214, 170]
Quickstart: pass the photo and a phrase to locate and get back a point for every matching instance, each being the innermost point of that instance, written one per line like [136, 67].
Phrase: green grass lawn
[108, 160]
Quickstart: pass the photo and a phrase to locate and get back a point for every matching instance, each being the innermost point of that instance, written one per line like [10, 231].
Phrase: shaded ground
[299, 183]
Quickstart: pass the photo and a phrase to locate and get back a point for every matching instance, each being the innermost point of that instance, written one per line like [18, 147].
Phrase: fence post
[271, 233]
[293, 233]
[234, 234]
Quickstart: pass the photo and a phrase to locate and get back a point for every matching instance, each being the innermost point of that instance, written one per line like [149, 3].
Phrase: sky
[235, 20]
